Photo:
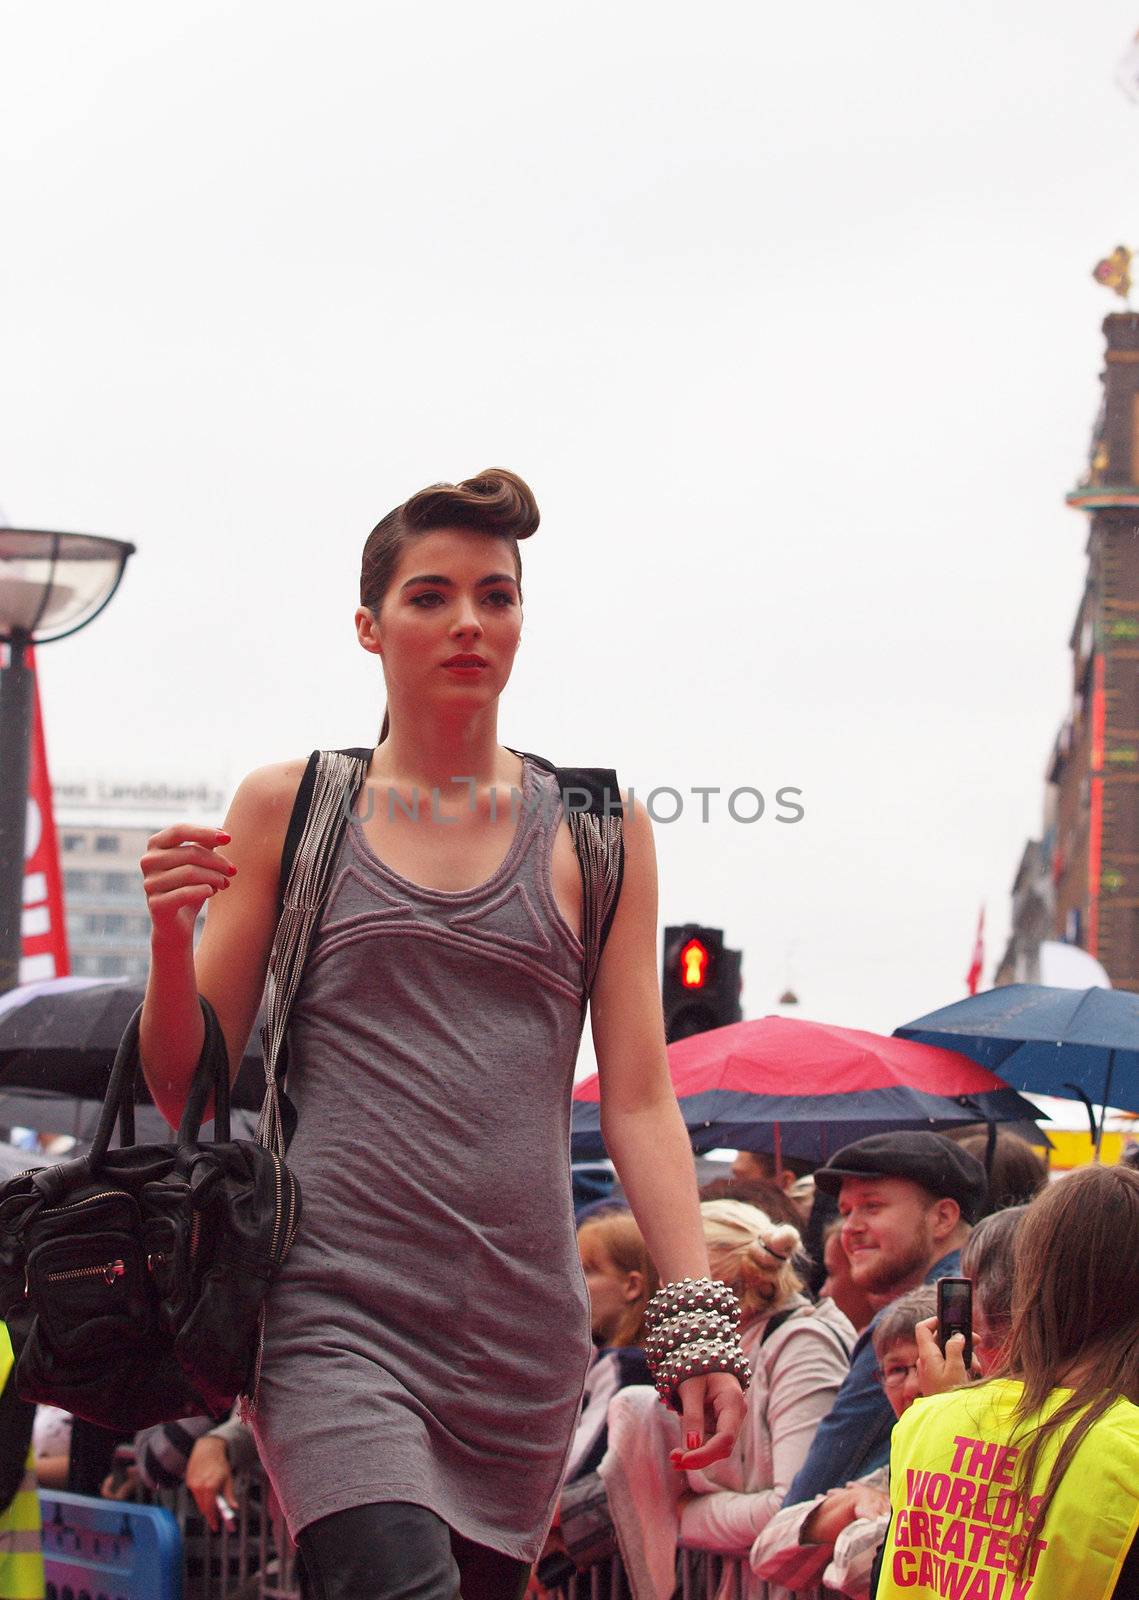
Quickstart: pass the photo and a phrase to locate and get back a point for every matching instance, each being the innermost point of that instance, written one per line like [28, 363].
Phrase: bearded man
[908, 1202]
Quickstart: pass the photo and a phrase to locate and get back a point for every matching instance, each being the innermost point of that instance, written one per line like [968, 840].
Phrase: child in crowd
[834, 1538]
[857, 1304]
[621, 1280]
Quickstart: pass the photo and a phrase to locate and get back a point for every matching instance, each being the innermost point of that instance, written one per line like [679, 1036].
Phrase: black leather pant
[397, 1551]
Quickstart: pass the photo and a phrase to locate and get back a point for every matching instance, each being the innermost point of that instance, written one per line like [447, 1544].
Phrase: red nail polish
[224, 838]
[694, 1441]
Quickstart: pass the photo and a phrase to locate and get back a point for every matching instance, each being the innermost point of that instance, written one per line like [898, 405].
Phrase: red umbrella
[812, 1086]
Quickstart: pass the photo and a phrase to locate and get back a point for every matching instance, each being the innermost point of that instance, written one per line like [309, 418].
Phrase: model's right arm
[183, 868]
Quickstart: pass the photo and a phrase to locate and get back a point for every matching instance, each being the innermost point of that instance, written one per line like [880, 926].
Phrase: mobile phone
[955, 1314]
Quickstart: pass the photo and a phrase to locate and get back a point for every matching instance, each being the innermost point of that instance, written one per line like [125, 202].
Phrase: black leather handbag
[132, 1280]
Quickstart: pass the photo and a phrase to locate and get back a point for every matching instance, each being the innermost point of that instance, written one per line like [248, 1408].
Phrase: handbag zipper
[291, 1225]
[280, 1207]
[72, 1205]
[109, 1271]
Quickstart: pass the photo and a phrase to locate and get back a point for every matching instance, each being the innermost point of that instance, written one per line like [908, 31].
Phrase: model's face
[888, 1231]
[611, 1291]
[453, 595]
[899, 1367]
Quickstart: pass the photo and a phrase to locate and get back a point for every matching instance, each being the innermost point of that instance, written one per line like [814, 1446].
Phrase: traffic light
[700, 983]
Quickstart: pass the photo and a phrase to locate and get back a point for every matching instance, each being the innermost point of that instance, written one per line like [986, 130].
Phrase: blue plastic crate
[109, 1550]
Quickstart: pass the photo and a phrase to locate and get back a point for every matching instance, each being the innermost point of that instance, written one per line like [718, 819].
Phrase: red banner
[977, 960]
[44, 922]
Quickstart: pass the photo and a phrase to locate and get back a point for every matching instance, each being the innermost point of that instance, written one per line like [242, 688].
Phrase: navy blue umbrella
[1082, 1044]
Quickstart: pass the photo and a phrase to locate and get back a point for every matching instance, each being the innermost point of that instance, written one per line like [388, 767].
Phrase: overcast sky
[785, 313]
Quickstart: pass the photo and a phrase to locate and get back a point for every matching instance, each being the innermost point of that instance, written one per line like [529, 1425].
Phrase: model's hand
[208, 1475]
[715, 1397]
[937, 1372]
[181, 870]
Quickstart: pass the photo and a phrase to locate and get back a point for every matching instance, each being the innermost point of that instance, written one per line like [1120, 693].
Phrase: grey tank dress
[428, 1336]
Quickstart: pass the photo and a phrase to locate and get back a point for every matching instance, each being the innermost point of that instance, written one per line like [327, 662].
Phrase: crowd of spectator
[877, 1458]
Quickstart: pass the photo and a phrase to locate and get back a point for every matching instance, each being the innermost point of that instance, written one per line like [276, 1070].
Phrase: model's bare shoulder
[275, 785]
[262, 805]
[637, 830]
[233, 953]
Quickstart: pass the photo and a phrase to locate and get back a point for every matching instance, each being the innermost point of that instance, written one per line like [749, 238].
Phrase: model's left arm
[641, 1124]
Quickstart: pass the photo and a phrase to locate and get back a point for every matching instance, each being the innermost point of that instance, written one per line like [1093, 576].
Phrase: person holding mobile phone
[987, 1264]
[1030, 1478]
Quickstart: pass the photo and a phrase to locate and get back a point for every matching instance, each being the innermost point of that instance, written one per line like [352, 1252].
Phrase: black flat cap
[930, 1159]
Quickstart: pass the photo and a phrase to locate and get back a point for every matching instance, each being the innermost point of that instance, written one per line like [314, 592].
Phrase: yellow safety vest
[957, 1530]
[21, 1547]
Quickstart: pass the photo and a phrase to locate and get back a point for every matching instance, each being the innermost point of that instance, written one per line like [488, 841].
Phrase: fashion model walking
[427, 1338]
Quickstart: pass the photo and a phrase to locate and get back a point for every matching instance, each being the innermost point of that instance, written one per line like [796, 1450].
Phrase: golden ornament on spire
[1114, 271]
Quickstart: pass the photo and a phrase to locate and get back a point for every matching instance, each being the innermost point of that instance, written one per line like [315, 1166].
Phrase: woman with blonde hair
[799, 1355]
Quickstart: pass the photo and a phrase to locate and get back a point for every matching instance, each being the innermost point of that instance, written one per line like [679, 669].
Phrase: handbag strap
[211, 1076]
[594, 813]
[331, 781]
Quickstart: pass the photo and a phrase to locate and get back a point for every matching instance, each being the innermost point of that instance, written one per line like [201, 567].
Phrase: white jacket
[796, 1373]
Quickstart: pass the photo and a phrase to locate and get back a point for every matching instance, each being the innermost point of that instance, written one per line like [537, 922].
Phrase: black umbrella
[13, 1160]
[62, 1113]
[60, 1036]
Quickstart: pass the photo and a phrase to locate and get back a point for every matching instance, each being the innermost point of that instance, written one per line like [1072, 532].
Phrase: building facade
[1081, 878]
[103, 830]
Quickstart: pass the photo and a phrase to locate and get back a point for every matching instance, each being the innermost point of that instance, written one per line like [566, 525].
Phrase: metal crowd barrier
[699, 1576]
[239, 1562]
[255, 1559]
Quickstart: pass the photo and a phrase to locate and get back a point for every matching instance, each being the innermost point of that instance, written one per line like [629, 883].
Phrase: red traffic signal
[700, 981]
[694, 962]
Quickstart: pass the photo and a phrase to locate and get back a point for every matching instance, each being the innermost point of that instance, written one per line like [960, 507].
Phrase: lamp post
[51, 585]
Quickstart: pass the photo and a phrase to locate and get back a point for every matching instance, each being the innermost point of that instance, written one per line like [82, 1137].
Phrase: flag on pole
[44, 952]
[973, 976]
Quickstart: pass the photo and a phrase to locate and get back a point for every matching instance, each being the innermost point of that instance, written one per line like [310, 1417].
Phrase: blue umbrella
[1082, 1044]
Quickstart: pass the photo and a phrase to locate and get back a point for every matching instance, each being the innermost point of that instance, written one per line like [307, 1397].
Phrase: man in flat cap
[908, 1201]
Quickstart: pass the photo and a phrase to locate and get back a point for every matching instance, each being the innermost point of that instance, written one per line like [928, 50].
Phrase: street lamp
[51, 585]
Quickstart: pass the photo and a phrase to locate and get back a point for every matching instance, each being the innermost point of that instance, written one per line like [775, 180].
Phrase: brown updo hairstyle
[496, 502]
[614, 1237]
